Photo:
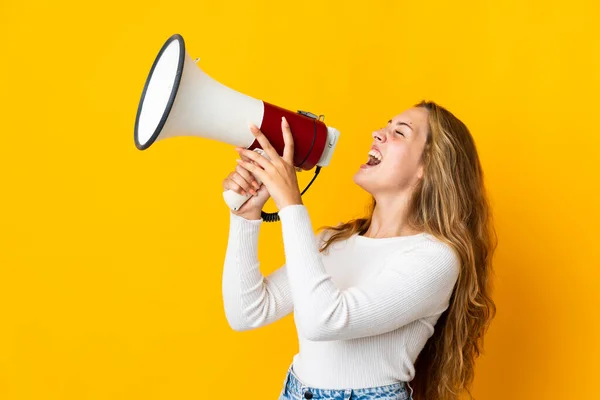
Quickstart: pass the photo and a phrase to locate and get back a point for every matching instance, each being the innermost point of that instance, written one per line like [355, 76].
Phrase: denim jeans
[294, 389]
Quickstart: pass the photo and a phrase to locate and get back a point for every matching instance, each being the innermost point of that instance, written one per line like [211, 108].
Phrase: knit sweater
[363, 310]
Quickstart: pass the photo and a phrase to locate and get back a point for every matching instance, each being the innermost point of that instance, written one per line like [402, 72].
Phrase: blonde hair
[449, 202]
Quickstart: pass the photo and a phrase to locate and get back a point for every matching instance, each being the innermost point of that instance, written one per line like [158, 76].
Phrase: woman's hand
[243, 182]
[277, 174]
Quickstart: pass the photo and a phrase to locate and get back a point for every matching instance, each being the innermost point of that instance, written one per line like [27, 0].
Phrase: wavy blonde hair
[450, 202]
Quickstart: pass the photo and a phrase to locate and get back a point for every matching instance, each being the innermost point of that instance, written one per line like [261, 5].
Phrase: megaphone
[179, 99]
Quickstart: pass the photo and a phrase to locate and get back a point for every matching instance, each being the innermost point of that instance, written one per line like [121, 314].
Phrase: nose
[379, 136]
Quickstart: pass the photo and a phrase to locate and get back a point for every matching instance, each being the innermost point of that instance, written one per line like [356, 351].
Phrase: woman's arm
[251, 300]
[413, 284]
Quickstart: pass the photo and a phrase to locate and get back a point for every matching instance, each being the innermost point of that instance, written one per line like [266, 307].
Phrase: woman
[400, 297]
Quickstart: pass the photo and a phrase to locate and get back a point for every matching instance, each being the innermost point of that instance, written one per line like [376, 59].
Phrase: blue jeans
[294, 389]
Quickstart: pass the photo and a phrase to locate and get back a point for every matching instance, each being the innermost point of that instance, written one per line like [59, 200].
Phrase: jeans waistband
[300, 390]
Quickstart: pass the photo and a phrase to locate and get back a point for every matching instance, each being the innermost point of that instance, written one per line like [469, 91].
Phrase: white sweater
[363, 311]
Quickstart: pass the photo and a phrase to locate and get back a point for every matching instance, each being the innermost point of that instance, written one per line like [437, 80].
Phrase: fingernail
[284, 121]
[244, 193]
[253, 192]
[255, 184]
[238, 149]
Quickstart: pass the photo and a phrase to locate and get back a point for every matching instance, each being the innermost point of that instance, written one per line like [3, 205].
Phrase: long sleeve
[414, 284]
[250, 299]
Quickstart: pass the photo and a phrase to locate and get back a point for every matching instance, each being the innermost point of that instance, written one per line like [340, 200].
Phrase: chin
[362, 181]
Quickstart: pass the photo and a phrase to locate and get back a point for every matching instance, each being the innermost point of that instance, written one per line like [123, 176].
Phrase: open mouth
[374, 158]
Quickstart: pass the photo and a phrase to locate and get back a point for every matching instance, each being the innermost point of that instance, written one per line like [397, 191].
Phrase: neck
[390, 217]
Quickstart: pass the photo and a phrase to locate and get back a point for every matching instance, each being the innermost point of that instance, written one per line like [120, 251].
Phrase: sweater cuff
[297, 227]
[295, 214]
[240, 219]
[243, 234]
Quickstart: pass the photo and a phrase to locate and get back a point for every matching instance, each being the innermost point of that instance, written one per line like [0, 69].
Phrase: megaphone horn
[179, 99]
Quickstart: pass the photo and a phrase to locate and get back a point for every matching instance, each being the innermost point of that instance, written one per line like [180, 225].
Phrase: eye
[400, 133]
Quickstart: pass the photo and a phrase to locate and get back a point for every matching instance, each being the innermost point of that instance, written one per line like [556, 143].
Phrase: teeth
[375, 154]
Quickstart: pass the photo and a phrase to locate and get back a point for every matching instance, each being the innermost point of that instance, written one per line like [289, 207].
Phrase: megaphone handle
[235, 200]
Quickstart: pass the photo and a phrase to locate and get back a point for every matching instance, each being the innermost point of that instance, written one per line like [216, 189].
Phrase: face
[399, 145]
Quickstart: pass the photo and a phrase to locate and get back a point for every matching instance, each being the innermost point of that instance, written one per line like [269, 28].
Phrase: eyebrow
[401, 123]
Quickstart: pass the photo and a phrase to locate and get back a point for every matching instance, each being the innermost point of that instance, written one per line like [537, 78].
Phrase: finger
[247, 176]
[256, 158]
[229, 184]
[247, 159]
[254, 170]
[288, 140]
[242, 182]
[264, 142]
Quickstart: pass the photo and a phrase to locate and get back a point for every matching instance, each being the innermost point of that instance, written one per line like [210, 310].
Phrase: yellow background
[111, 258]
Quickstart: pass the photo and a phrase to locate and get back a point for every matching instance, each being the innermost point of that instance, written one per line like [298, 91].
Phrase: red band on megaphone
[308, 142]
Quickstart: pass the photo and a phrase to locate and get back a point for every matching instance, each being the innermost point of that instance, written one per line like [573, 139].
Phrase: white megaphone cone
[179, 99]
